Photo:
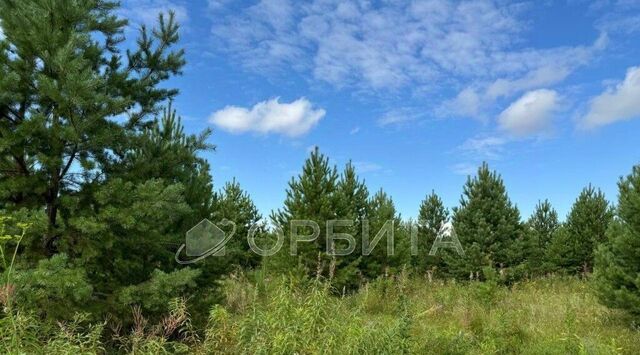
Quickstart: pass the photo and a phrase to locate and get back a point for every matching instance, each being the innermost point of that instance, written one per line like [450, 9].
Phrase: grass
[394, 315]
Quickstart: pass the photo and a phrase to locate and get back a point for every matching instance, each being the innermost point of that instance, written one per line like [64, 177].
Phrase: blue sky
[416, 93]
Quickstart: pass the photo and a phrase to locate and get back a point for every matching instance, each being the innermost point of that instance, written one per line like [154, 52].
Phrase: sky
[417, 94]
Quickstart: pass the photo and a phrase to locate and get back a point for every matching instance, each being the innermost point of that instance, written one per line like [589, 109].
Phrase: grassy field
[281, 315]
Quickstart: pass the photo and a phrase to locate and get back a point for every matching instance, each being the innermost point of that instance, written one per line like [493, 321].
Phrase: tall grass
[285, 315]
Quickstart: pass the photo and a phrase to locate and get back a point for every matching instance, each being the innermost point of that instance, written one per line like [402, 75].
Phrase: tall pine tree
[383, 218]
[489, 228]
[431, 217]
[81, 140]
[617, 262]
[69, 98]
[310, 197]
[352, 205]
[235, 204]
[572, 248]
[541, 227]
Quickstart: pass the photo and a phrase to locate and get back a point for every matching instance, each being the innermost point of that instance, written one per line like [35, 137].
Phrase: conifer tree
[572, 249]
[617, 261]
[234, 204]
[69, 98]
[383, 217]
[352, 205]
[80, 139]
[488, 227]
[541, 227]
[311, 196]
[432, 216]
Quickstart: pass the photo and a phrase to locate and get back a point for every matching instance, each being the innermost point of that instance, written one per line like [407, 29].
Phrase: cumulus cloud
[399, 44]
[290, 119]
[530, 114]
[616, 103]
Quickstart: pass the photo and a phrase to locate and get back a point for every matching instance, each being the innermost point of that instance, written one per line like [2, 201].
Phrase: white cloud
[530, 114]
[145, 12]
[490, 147]
[399, 116]
[546, 68]
[354, 130]
[468, 102]
[290, 119]
[390, 45]
[619, 17]
[617, 103]
[394, 118]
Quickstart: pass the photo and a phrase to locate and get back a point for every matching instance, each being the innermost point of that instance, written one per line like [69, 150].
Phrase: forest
[100, 181]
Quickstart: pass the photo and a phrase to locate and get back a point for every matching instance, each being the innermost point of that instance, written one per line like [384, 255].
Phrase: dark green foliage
[352, 205]
[572, 249]
[617, 263]
[52, 288]
[432, 216]
[319, 194]
[383, 219]
[234, 204]
[155, 294]
[84, 151]
[488, 227]
[311, 196]
[541, 227]
[63, 90]
[164, 151]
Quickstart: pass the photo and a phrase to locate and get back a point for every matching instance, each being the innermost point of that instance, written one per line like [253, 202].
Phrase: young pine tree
[235, 204]
[541, 227]
[383, 218]
[572, 248]
[617, 262]
[488, 227]
[432, 216]
[352, 205]
[311, 196]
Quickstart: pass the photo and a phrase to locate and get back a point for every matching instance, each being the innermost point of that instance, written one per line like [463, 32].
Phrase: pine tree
[234, 204]
[65, 88]
[572, 249]
[541, 227]
[128, 227]
[311, 196]
[81, 140]
[617, 262]
[164, 151]
[383, 217]
[352, 205]
[432, 216]
[488, 227]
